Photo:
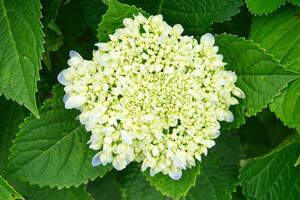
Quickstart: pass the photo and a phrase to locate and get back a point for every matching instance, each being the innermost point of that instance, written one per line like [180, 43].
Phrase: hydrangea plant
[177, 99]
[151, 95]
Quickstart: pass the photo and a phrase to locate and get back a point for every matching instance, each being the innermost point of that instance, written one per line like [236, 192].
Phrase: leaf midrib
[16, 52]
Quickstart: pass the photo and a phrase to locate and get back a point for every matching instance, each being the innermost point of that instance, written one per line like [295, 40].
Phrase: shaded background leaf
[106, 187]
[135, 186]
[11, 117]
[219, 171]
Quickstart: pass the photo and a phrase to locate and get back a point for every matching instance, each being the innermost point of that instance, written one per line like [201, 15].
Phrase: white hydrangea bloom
[151, 95]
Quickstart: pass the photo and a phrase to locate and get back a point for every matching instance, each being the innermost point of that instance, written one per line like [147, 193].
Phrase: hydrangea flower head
[151, 95]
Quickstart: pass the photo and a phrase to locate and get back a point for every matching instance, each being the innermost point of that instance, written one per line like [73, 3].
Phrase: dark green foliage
[44, 155]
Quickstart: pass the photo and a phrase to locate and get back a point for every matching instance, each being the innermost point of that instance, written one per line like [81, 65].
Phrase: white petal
[155, 151]
[221, 82]
[178, 162]
[178, 29]
[75, 101]
[73, 53]
[106, 157]
[74, 61]
[158, 18]
[119, 163]
[209, 143]
[228, 116]
[127, 21]
[215, 134]
[96, 160]
[175, 174]
[126, 137]
[108, 129]
[61, 77]
[144, 166]
[198, 156]
[66, 97]
[208, 39]
[238, 92]
[153, 172]
[147, 117]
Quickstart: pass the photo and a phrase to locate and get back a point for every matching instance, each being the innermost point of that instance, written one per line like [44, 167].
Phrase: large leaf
[287, 105]
[52, 150]
[46, 193]
[259, 7]
[174, 188]
[135, 186]
[7, 192]
[279, 34]
[273, 176]
[260, 76]
[113, 19]
[20, 50]
[10, 119]
[219, 171]
[54, 194]
[194, 15]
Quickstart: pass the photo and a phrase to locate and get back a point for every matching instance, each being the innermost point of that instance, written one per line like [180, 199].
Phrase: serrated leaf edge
[58, 186]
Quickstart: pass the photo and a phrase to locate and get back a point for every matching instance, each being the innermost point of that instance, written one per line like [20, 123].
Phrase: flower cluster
[151, 95]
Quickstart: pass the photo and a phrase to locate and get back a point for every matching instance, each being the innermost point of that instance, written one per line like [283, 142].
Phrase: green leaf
[174, 188]
[46, 193]
[259, 7]
[20, 49]
[54, 194]
[7, 192]
[194, 15]
[113, 19]
[11, 117]
[287, 105]
[106, 187]
[53, 150]
[93, 10]
[219, 171]
[260, 76]
[273, 176]
[278, 33]
[135, 187]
